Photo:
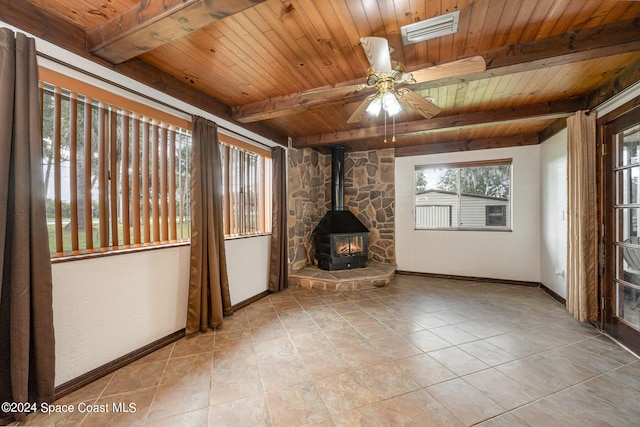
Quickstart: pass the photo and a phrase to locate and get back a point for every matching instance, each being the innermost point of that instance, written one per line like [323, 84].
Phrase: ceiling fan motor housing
[385, 81]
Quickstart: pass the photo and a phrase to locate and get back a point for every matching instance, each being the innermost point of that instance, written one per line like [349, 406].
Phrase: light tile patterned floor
[421, 352]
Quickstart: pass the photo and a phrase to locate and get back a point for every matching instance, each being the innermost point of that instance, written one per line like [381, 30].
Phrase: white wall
[106, 307]
[109, 306]
[513, 255]
[248, 266]
[553, 226]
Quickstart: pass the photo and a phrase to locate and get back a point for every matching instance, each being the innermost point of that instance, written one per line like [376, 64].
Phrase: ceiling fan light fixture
[430, 28]
[390, 104]
[374, 107]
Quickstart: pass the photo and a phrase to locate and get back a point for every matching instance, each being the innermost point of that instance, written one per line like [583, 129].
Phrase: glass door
[621, 302]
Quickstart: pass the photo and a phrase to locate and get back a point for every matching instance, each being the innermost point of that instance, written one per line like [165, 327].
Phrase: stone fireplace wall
[306, 202]
[369, 188]
[369, 194]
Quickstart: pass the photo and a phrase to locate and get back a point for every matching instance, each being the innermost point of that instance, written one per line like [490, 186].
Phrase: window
[117, 173]
[472, 196]
[496, 215]
[247, 186]
[115, 179]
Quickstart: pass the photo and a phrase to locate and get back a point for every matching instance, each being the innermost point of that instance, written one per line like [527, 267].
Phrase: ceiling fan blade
[473, 64]
[417, 103]
[377, 51]
[330, 92]
[362, 108]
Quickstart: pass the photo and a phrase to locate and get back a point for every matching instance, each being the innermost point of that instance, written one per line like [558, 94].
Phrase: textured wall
[307, 200]
[107, 307]
[369, 194]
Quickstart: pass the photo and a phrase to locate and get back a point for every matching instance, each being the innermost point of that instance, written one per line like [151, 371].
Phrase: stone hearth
[373, 275]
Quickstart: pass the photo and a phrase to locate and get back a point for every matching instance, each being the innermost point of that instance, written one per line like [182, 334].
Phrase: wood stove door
[348, 245]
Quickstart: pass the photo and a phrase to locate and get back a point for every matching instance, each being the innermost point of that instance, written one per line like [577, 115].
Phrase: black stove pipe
[337, 177]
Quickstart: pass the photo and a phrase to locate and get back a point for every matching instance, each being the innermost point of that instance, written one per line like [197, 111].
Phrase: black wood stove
[342, 241]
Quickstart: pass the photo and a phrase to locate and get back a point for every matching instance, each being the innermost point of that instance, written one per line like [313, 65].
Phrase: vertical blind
[246, 186]
[115, 179]
[117, 172]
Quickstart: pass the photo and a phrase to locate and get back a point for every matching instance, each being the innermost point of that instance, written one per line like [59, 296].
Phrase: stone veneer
[369, 188]
[307, 170]
[369, 194]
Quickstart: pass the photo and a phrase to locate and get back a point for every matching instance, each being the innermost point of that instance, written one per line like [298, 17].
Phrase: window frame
[457, 203]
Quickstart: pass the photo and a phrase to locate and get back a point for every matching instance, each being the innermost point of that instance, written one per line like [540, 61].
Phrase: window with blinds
[115, 179]
[117, 173]
[246, 175]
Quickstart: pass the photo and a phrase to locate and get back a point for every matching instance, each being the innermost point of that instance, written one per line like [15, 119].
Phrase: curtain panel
[27, 348]
[209, 298]
[278, 262]
[582, 251]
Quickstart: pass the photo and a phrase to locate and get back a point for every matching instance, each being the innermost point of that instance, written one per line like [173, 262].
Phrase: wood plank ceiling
[249, 61]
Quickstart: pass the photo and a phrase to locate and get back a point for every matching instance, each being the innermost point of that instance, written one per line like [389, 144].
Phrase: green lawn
[82, 237]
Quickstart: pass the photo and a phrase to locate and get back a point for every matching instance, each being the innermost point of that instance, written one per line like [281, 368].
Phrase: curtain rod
[238, 134]
[147, 97]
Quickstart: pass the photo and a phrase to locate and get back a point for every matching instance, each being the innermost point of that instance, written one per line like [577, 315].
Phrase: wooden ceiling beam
[47, 26]
[590, 43]
[467, 145]
[542, 111]
[554, 128]
[626, 78]
[150, 24]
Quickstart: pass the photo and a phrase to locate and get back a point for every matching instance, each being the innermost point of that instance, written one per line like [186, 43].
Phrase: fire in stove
[349, 245]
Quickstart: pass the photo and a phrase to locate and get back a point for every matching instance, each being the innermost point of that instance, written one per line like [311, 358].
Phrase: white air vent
[430, 28]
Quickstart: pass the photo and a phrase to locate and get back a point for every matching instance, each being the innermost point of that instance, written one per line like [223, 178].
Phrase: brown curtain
[26, 314]
[582, 253]
[209, 299]
[278, 265]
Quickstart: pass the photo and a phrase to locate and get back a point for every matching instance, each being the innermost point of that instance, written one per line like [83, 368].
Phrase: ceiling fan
[385, 75]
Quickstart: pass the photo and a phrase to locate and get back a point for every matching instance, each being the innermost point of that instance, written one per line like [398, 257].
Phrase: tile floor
[420, 352]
